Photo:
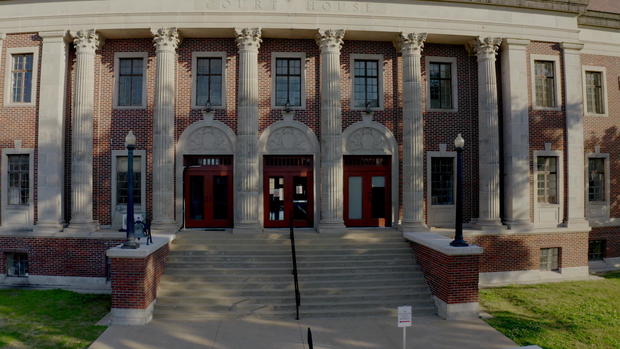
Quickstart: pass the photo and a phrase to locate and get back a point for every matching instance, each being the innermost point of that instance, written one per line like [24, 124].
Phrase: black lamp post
[459, 144]
[130, 142]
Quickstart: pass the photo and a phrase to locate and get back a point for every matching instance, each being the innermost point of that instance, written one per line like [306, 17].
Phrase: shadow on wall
[609, 142]
[505, 253]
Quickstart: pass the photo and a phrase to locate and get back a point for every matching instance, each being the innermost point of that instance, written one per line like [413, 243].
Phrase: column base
[332, 228]
[578, 223]
[247, 228]
[164, 228]
[520, 225]
[412, 227]
[48, 227]
[488, 225]
[82, 227]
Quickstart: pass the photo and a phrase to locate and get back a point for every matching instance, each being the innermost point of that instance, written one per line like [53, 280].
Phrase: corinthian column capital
[248, 38]
[486, 47]
[166, 38]
[330, 39]
[86, 41]
[410, 42]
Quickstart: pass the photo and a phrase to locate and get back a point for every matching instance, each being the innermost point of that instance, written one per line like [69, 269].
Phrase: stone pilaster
[516, 134]
[86, 42]
[410, 45]
[246, 156]
[488, 132]
[166, 42]
[330, 41]
[574, 136]
[51, 172]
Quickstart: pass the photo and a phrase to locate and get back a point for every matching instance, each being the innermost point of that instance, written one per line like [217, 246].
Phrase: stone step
[250, 269]
[338, 279]
[217, 258]
[283, 290]
[402, 251]
[207, 263]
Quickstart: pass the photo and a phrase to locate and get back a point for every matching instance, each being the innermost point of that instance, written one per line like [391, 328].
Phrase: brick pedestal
[135, 276]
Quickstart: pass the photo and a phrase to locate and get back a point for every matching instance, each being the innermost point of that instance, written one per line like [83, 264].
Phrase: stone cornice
[571, 6]
[166, 38]
[600, 19]
[248, 38]
[86, 40]
[330, 39]
[410, 42]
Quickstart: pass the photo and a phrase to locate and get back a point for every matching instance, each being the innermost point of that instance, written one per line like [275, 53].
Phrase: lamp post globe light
[459, 144]
[130, 143]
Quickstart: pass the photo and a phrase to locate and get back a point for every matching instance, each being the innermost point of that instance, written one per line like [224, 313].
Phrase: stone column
[330, 41]
[488, 133]
[516, 134]
[86, 42]
[50, 163]
[574, 136]
[410, 45]
[166, 42]
[246, 156]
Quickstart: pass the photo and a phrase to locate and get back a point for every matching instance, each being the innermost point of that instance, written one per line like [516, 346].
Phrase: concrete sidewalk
[375, 332]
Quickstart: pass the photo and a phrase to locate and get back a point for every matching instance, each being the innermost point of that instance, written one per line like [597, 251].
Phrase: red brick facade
[135, 280]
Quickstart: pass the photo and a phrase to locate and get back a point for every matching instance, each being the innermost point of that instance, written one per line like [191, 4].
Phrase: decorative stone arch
[290, 137]
[205, 137]
[369, 137]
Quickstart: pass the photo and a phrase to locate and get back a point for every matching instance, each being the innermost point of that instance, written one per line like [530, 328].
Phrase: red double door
[288, 191]
[367, 191]
[208, 191]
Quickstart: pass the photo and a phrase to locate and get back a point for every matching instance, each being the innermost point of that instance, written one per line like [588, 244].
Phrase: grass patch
[583, 314]
[50, 318]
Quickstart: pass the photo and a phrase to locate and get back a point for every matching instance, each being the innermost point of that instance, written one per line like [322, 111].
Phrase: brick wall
[453, 279]
[59, 256]
[522, 251]
[612, 237]
[135, 280]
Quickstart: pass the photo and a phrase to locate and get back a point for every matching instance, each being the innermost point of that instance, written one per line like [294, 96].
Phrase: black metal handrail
[294, 255]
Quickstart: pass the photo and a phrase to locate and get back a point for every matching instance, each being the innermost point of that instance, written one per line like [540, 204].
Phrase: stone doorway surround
[204, 137]
[368, 137]
[290, 137]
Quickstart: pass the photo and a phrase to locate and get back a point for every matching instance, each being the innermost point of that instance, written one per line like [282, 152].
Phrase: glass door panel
[300, 198]
[276, 198]
[220, 197]
[355, 197]
[196, 195]
[377, 201]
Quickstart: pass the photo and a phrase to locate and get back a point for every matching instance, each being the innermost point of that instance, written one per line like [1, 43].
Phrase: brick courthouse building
[350, 108]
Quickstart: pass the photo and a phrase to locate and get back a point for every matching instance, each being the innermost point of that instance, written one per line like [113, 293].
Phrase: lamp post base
[131, 244]
[459, 243]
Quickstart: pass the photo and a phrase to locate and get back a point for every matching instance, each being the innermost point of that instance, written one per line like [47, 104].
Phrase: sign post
[404, 321]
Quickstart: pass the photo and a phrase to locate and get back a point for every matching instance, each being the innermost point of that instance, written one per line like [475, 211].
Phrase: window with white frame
[441, 84]
[366, 81]
[544, 75]
[547, 179]
[596, 180]
[130, 75]
[17, 264]
[21, 76]
[122, 188]
[442, 181]
[18, 174]
[595, 90]
[288, 82]
[550, 259]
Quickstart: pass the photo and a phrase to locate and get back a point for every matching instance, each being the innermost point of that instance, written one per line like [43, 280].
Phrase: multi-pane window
[442, 181]
[366, 83]
[440, 79]
[121, 179]
[209, 80]
[594, 92]
[547, 179]
[288, 82]
[545, 84]
[550, 259]
[130, 82]
[596, 250]
[19, 179]
[596, 179]
[21, 73]
[17, 264]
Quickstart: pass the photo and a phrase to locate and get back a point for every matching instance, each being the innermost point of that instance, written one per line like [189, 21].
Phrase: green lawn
[584, 314]
[50, 318]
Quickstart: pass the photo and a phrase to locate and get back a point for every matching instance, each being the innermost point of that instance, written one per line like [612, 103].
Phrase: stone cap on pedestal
[442, 244]
[141, 252]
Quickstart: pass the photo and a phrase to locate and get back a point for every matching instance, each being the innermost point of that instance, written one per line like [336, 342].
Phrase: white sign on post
[404, 321]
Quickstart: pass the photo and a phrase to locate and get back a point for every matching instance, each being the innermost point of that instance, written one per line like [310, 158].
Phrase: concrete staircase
[217, 274]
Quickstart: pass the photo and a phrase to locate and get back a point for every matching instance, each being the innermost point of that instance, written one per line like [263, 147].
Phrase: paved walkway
[359, 333]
